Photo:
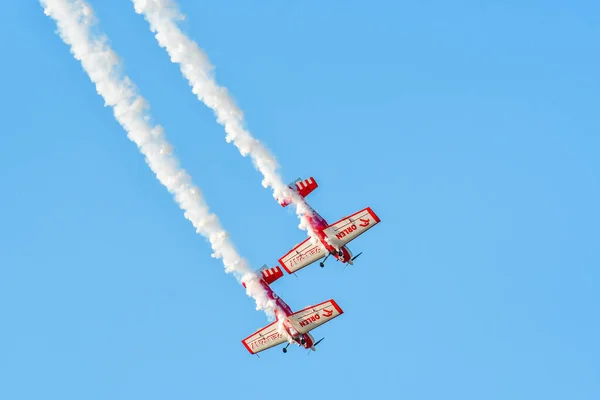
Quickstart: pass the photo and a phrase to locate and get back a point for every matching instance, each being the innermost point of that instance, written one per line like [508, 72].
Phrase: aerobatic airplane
[296, 325]
[333, 238]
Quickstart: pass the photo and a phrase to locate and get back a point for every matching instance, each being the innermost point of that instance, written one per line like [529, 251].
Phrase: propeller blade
[315, 345]
[356, 256]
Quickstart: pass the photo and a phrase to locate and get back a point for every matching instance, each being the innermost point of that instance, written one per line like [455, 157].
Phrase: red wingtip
[375, 217]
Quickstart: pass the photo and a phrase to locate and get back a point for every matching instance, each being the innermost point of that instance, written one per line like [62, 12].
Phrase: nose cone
[308, 342]
[346, 255]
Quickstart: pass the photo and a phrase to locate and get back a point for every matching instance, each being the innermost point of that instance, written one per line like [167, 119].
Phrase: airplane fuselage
[319, 224]
[282, 312]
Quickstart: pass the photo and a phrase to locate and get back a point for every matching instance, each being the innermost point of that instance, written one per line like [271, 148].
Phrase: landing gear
[341, 253]
[302, 341]
[285, 348]
[322, 263]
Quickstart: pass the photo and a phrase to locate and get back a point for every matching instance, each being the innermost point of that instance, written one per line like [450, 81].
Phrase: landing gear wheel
[340, 253]
[322, 264]
[284, 350]
[302, 341]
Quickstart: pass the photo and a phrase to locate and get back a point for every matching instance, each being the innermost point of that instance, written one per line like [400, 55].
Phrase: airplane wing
[302, 255]
[349, 228]
[308, 319]
[264, 339]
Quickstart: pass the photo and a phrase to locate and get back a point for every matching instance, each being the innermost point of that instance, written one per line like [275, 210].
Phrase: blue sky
[470, 128]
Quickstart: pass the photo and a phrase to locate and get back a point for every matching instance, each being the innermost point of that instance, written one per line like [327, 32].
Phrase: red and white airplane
[333, 238]
[295, 326]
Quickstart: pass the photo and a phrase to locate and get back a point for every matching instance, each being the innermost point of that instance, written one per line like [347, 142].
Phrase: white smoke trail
[162, 15]
[75, 20]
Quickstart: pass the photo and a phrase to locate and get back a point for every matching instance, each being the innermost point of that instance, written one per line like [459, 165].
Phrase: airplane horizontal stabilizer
[302, 187]
[270, 275]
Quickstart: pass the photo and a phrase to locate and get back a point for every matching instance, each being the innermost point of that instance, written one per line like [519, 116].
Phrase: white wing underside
[349, 228]
[302, 255]
[264, 339]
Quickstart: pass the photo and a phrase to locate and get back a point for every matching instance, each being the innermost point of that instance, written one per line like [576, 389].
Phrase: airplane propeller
[322, 263]
[315, 345]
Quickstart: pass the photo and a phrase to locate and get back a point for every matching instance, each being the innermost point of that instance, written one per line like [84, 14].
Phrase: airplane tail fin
[302, 187]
